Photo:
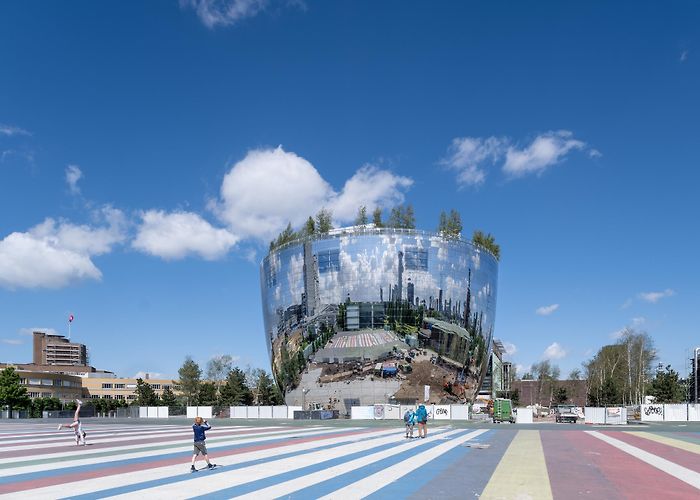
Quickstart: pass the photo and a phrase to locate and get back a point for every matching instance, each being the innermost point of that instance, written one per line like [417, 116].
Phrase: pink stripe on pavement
[685, 458]
[631, 477]
[571, 473]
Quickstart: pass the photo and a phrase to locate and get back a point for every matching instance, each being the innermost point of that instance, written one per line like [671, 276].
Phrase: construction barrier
[612, 415]
[523, 416]
[199, 411]
[683, 412]
[272, 412]
[396, 412]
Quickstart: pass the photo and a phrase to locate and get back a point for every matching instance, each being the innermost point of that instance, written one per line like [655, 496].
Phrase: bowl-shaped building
[429, 290]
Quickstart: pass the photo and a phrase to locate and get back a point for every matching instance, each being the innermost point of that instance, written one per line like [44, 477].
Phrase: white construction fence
[396, 412]
[670, 413]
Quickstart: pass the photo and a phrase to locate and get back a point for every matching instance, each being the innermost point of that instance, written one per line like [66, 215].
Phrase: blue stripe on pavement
[330, 485]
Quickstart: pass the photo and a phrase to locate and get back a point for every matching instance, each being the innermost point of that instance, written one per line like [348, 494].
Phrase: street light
[695, 371]
[303, 397]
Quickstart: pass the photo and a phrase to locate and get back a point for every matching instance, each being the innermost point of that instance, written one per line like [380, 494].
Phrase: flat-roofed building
[123, 389]
[51, 349]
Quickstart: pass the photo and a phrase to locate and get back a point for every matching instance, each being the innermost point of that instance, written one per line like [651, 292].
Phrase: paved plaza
[349, 460]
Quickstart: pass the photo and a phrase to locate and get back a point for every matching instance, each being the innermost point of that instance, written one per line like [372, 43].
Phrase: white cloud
[467, 156]
[73, 175]
[55, 254]
[684, 56]
[11, 341]
[510, 348]
[272, 187]
[544, 151]
[618, 333]
[554, 351]
[546, 310]
[178, 234]
[370, 187]
[654, 297]
[11, 130]
[215, 13]
[638, 321]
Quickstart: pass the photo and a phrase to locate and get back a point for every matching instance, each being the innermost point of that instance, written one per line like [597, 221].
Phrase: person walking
[409, 419]
[76, 425]
[422, 419]
[199, 428]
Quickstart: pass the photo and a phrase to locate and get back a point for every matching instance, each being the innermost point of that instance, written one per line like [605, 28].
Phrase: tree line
[622, 373]
[400, 217]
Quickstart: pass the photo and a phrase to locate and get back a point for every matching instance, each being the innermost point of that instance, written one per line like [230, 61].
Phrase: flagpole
[69, 329]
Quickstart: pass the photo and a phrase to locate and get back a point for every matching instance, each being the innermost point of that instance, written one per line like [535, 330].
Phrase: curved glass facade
[407, 281]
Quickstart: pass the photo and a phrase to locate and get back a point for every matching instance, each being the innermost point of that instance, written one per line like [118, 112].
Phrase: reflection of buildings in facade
[382, 276]
[495, 379]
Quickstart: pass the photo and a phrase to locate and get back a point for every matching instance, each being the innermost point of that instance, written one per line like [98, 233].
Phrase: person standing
[199, 428]
[76, 425]
[409, 419]
[422, 419]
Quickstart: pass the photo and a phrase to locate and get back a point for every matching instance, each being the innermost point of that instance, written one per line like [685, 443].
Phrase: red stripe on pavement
[125, 469]
[687, 459]
[571, 473]
[112, 444]
[630, 476]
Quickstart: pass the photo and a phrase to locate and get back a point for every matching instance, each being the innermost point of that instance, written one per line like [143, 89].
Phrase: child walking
[199, 427]
[77, 426]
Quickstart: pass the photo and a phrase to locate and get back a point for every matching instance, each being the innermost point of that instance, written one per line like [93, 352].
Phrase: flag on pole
[70, 318]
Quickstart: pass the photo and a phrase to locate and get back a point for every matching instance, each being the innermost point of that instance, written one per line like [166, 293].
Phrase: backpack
[407, 416]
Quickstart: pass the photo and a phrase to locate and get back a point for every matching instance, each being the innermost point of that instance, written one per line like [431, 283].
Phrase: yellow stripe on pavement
[676, 443]
[522, 472]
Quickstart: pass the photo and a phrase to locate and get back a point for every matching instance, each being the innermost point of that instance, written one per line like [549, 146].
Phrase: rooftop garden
[400, 217]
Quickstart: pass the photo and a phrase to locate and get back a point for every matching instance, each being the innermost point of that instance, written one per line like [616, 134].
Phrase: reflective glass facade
[306, 282]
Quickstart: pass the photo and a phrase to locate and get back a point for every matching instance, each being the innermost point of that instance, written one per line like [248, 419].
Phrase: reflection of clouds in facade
[365, 267]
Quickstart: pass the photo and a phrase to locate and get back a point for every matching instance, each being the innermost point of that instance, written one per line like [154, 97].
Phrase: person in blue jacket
[409, 419]
[422, 419]
[199, 428]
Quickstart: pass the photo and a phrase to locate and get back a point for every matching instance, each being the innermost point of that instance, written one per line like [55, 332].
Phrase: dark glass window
[328, 260]
[416, 258]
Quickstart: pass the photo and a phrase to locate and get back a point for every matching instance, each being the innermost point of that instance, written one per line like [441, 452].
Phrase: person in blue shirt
[422, 419]
[199, 428]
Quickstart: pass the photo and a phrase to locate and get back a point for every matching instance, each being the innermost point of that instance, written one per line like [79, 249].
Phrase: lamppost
[695, 371]
[304, 391]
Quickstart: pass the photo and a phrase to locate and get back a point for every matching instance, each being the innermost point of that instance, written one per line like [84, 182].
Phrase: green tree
[377, 217]
[208, 394]
[324, 221]
[361, 218]
[667, 387]
[442, 225]
[561, 395]
[267, 392]
[402, 217]
[488, 242]
[40, 405]
[454, 224]
[12, 393]
[309, 227]
[235, 392]
[168, 398]
[575, 374]
[190, 380]
[218, 368]
[145, 395]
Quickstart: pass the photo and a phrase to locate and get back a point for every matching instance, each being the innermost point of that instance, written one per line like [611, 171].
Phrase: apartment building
[51, 349]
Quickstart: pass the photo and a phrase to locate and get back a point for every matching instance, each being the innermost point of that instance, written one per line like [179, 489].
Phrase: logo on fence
[654, 410]
[378, 411]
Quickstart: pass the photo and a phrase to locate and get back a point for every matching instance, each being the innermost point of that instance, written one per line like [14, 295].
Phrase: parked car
[566, 413]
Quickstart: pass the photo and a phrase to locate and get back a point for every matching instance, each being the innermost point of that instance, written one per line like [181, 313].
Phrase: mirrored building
[426, 289]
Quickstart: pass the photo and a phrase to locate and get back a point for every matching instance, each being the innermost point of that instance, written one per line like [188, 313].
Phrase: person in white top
[76, 425]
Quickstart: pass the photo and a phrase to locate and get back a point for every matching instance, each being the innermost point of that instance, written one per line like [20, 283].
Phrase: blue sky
[149, 150]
